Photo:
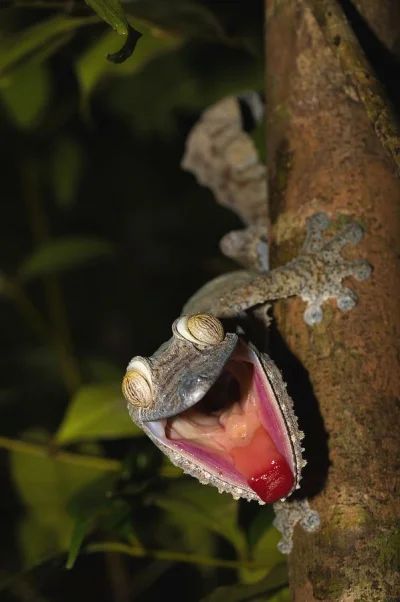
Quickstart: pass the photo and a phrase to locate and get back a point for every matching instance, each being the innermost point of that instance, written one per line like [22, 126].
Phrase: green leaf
[266, 548]
[191, 536]
[265, 552]
[101, 513]
[262, 518]
[204, 506]
[78, 535]
[29, 81]
[93, 497]
[91, 507]
[283, 595]
[62, 254]
[91, 66]
[67, 159]
[46, 486]
[255, 592]
[97, 412]
[112, 13]
[39, 539]
[22, 45]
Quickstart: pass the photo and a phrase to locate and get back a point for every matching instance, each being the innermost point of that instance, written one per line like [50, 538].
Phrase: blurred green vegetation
[103, 238]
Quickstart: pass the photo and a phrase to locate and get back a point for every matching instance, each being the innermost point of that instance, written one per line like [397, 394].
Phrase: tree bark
[333, 146]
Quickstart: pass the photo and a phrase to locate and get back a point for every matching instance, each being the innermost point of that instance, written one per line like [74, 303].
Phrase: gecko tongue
[266, 471]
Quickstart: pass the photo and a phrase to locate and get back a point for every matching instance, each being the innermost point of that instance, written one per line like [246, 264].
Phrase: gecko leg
[249, 247]
[315, 275]
[288, 514]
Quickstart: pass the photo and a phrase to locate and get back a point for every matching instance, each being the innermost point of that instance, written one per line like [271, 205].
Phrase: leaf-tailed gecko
[209, 398]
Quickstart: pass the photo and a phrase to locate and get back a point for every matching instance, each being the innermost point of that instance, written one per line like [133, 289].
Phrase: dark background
[96, 156]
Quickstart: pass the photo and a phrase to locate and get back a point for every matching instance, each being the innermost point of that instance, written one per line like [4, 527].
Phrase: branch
[323, 155]
[344, 45]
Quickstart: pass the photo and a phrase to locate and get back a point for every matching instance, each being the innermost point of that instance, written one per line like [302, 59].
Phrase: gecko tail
[222, 156]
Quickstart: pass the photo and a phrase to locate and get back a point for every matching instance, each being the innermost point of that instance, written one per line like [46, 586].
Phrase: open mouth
[237, 431]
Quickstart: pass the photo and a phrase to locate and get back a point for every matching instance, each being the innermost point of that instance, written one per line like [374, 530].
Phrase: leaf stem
[45, 451]
[169, 555]
[32, 316]
[47, 5]
[118, 578]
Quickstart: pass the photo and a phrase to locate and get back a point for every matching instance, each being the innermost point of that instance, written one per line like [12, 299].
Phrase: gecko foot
[288, 514]
[330, 268]
[249, 247]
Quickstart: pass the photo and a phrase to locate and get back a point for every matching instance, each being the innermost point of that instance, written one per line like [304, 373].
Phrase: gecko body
[209, 398]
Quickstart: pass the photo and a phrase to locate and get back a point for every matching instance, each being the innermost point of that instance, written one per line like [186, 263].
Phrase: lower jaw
[261, 466]
[266, 471]
[258, 466]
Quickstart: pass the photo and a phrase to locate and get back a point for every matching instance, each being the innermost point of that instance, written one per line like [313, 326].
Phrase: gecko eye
[136, 386]
[201, 329]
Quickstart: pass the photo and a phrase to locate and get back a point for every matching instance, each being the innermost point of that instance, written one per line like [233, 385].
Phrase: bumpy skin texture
[223, 158]
[181, 375]
[315, 275]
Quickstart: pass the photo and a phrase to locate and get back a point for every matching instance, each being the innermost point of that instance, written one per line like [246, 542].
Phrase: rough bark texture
[325, 154]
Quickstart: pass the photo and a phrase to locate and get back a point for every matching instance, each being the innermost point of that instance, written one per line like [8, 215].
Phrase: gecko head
[181, 371]
[218, 409]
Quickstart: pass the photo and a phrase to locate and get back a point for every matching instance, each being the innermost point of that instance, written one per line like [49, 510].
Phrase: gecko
[210, 398]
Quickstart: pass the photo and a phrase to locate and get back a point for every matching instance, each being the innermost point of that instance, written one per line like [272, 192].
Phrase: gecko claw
[347, 299]
[353, 235]
[362, 270]
[311, 521]
[318, 222]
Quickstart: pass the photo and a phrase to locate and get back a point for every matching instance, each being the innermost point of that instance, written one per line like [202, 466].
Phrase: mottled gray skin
[315, 275]
[223, 158]
[181, 375]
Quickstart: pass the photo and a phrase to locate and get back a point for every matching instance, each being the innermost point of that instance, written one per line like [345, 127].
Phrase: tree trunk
[333, 146]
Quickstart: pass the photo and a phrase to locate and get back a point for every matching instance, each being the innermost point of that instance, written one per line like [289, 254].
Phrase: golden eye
[136, 389]
[206, 329]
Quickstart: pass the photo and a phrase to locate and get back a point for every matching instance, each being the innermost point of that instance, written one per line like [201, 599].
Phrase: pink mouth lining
[266, 460]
